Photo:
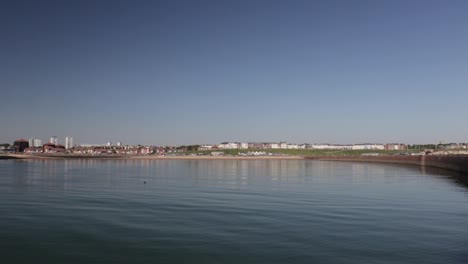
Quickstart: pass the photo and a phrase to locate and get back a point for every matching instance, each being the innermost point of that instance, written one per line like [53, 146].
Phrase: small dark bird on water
[144, 182]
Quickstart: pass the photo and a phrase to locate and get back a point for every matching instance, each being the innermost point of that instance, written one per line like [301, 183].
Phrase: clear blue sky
[182, 72]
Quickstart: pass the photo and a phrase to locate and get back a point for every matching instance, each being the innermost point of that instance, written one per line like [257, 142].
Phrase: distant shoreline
[451, 162]
[150, 157]
[220, 157]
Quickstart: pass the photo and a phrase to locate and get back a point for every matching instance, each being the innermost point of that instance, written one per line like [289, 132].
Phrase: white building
[292, 146]
[283, 145]
[332, 146]
[119, 144]
[31, 142]
[228, 145]
[54, 140]
[321, 146]
[275, 146]
[205, 147]
[244, 145]
[68, 142]
[347, 147]
[368, 146]
[37, 143]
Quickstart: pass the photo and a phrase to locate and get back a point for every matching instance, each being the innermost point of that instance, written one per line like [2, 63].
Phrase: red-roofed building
[48, 147]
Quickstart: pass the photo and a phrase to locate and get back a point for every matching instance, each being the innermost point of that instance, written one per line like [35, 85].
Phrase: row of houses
[453, 146]
[50, 148]
[284, 145]
[254, 145]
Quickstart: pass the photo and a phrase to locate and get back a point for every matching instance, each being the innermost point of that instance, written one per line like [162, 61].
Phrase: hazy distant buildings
[31, 141]
[119, 144]
[68, 142]
[37, 143]
[368, 146]
[205, 147]
[243, 145]
[54, 140]
[395, 146]
[21, 145]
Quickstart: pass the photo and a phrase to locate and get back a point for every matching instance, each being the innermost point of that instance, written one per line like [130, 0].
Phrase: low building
[57, 150]
[292, 146]
[146, 151]
[48, 147]
[368, 146]
[31, 150]
[228, 145]
[60, 146]
[254, 145]
[395, 146]
[102, 151]
[205, 147]
[20, 145]
[134, 151]
[319, 146]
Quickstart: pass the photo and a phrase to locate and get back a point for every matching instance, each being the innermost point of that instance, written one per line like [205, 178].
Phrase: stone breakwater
[457, 163]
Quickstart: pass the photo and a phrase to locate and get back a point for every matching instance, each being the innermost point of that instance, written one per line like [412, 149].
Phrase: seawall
[450, 162]
[4, 156]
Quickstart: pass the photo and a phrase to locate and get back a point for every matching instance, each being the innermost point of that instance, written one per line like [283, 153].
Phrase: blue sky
[185, 72]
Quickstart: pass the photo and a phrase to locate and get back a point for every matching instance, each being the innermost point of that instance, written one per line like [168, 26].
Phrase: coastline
[218, 157]
[151, 157]
[458, 163]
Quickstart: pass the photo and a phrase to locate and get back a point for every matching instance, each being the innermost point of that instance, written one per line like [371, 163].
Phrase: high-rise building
[37, 143]
[54, 140]
[68, 142]
[119, 144]
[31, 141]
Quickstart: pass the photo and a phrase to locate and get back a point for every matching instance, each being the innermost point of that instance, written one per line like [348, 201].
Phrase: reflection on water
[230, 211]
[235, 174]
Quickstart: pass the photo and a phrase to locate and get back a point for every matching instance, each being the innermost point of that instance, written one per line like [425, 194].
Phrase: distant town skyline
[69, 142]
[195, 72]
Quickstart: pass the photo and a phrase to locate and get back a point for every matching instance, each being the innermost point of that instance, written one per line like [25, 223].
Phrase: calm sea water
[254, 211]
